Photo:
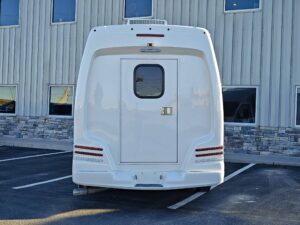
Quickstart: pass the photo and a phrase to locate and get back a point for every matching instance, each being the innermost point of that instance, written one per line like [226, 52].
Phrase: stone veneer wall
[49, 128]
[238, 139]
[262, 140]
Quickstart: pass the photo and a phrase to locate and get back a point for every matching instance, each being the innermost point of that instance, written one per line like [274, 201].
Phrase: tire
[203, 189]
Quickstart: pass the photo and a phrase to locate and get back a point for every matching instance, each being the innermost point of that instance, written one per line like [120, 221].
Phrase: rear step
[84, 190]
[148, 185]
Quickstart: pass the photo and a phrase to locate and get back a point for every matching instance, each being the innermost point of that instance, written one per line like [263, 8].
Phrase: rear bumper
[148, 180]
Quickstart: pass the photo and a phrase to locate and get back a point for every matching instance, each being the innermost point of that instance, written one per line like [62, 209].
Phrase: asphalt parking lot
[36, 188]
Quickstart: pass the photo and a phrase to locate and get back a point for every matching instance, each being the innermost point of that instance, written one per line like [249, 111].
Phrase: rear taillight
[150, 35]
[211, 151]
[89, 151]
[88, 148]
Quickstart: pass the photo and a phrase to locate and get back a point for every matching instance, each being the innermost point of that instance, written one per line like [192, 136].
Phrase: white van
[148, 110]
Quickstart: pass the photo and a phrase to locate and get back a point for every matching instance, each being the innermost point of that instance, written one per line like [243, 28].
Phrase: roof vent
[146, 21]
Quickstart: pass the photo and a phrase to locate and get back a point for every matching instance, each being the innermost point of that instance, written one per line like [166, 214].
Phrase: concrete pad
[260, 195]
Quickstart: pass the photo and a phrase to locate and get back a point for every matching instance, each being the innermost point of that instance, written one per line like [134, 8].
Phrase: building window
[137, 8]
[61, 100]
[149, 81]
[9, 12]
[239, 5]
[239, 105]
[298, 107]
[63, 11]
[8, 99]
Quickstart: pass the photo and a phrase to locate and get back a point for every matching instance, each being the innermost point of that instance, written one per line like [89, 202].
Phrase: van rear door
[149, 111]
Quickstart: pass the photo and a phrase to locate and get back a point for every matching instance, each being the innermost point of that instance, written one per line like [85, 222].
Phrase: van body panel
[140, 146]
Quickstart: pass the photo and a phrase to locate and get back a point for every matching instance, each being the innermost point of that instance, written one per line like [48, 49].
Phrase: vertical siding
[256, 48]
[285, 66]
[211, 17]
[6, 43]
[236, 62]
[177, 12]
[295, 78]
[246, 49]
[46, 57]
[275, 62]
[160, 8]
[169, 10]
[253, 48]
[264, 100]
[2, 55]
[228, 49]
[185, 12]
[194, 13]
[202, 9]
[219, 34]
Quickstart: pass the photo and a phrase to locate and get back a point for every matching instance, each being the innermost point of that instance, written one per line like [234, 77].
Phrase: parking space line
[33, 156]
[42, 182]
[198, 194]
[238, 172]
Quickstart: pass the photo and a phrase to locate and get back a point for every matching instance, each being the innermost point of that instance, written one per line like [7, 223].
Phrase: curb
[262, 159]
[37, 143]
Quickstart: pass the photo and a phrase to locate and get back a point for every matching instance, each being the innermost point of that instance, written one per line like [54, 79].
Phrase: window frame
[256, 107]
[163, 81]
[19, 19]
[16, 99]
[295, 117]
[140, 17]
[49, 99]
[66, 22]
[242, 10]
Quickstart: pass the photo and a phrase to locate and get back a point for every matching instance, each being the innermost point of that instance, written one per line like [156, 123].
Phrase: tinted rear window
[149, 81]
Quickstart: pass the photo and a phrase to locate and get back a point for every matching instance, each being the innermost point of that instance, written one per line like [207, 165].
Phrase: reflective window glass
[8, 99]
[232, 5]
[9, 12]
[239, 105]
[61, 100]
[298, 107]
[138, 8]
[63, 11]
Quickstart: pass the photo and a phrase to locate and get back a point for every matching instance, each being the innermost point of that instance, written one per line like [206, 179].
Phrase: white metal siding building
[257, 48]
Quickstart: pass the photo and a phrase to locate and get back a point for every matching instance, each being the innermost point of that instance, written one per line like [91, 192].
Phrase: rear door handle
[164, 111]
